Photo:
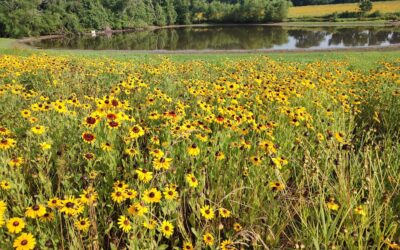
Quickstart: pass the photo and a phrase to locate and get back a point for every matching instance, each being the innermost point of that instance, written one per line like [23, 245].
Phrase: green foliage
[41, 17]
[365, 6]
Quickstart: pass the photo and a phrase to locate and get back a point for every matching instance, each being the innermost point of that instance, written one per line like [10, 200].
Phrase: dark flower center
[70, 205]
[90, 120]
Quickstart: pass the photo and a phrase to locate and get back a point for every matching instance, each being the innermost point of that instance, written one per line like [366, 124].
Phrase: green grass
[358, 59]
[323, 128]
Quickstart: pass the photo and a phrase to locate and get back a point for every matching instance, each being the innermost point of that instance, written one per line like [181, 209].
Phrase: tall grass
[301, 154]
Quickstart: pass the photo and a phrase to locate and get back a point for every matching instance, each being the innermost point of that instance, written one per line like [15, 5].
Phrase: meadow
[108, 150]
[329, 9]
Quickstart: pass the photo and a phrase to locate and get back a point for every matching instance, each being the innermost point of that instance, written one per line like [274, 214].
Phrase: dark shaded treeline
[41, 17]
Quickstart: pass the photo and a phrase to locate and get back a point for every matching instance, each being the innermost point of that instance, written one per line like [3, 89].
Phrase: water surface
[233, 38]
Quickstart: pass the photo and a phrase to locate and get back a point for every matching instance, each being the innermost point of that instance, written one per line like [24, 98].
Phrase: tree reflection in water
[232, 37]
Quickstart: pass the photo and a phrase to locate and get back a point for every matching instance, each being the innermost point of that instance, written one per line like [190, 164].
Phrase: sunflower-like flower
[124, 223]
[25, 241]
[152, 196]
[15, 225]
[207, 212]
[166, 228]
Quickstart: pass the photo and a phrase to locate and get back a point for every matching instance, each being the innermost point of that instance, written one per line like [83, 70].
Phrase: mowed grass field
[323, 10]
[109, 150]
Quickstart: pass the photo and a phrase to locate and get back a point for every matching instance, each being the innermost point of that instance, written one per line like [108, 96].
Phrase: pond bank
[379, 23]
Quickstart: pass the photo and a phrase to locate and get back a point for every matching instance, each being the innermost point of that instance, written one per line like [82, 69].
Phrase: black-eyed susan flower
[89, 156]
[120, 184]
[276, 186]
[162, 163]
[208, 239]
[26, 241]
[187, 246]
[360, 211]
[15, 225]
[255, 160]
[137, 209]
[7, 143]
[157, 153]
[47, 217]
[71, 206]
[207, 212]
[38, 130]
[144, 175]
[279, 162]
[89, 196]
[136, 131]
[170, 193]
[237, 227]
[16, 162]
[82, 224]
[45, 146]
[151, 196]
[90, 121]
[25, 113]
[332, 205]
[227, 245]
[166, 228]
[54, 203]
[106, 146]
[88, 137]
[219, 155]
[5, 185]
[193, 150]
[339, 136]
[124, 223]
[150, 224]
[224, 213]
[191, 180]
[131, 152]
[202, 137]
[118, 195]
[35, 211]
[113, 124]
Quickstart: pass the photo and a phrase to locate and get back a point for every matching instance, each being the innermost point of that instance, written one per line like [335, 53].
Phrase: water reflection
[229, 38]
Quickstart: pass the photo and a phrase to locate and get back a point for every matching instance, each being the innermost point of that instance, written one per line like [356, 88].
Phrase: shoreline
[393, 47]
[24, 42]
[378, 23]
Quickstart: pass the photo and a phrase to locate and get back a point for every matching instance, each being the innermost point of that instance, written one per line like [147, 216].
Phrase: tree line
[41, 17]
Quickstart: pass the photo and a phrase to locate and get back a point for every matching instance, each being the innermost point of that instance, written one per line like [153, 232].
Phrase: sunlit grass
[121, 153]
[323, 10]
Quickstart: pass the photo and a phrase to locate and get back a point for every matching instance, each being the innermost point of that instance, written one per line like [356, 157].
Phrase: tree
[365, 6]
[161, 18]
[170, 12]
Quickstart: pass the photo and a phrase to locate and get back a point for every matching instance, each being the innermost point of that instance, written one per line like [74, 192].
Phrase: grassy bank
[126, 150]
[358, 59]
[329, 9]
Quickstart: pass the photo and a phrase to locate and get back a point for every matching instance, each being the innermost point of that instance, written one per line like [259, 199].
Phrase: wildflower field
[248, 153]
[328, 9]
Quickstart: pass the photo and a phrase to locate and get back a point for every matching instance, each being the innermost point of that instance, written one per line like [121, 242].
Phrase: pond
[232, 38]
